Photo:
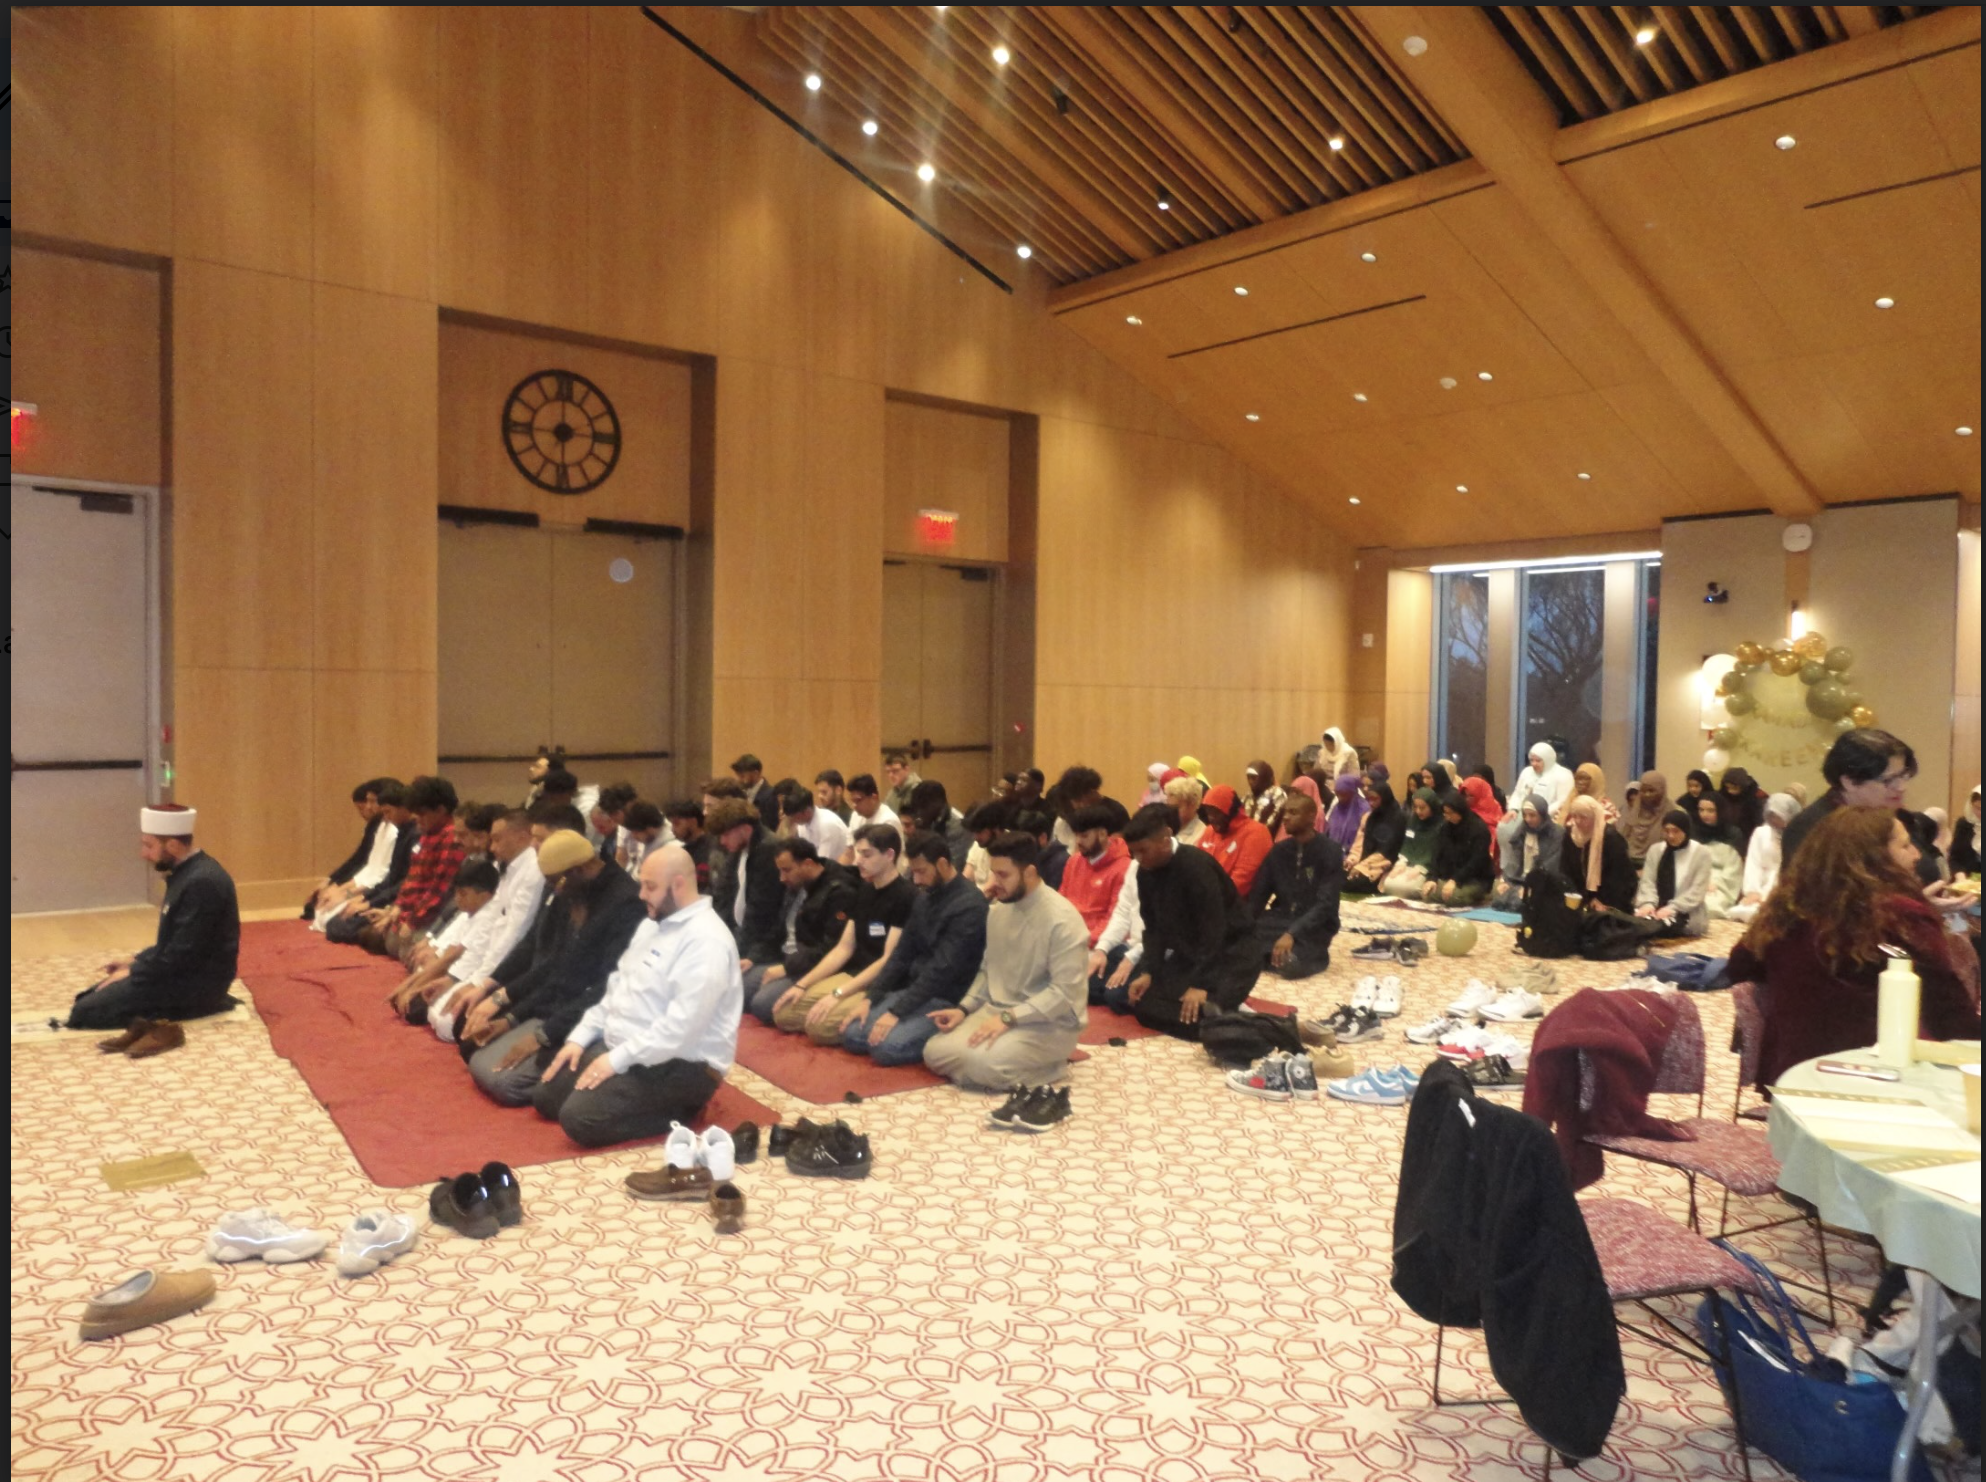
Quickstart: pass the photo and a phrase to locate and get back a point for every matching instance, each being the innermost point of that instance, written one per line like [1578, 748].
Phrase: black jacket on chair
[1486, 1234]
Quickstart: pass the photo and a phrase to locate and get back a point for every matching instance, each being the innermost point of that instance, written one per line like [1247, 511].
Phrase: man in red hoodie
[1237, 842]
[1092, 880]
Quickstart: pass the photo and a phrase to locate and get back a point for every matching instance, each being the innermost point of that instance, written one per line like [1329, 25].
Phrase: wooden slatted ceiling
[1228, 113]
[1589, 63]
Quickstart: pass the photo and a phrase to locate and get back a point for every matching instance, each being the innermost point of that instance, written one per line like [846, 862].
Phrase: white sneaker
[1513, 1007]
[374, 1238]
[1511, 1049]
[1474, 996]
[1386, 1002]
[1434, 1030]
[680, 1149]
[1365, 992]
[248, 1233]
[715, 1151]
[1464, 1044]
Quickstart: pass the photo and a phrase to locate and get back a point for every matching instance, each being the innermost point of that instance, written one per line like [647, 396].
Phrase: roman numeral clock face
[561, 432]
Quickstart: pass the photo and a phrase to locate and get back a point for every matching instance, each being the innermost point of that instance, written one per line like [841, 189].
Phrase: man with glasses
[1864, 769]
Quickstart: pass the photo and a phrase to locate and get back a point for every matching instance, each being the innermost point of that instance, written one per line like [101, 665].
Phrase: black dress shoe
[463, 1205]
[837, 1152]
[745, 1143]
[506, 1194]
[784, 1139]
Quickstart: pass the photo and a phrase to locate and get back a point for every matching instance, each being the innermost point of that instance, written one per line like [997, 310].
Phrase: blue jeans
[904, 1044]
[1117, 998]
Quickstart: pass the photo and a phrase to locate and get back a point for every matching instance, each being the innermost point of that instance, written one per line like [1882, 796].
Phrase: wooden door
[614, 658]
[494, 651]
[938, 672]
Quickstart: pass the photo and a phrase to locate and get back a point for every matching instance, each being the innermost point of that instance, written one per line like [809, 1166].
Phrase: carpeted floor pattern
[1179, 1285]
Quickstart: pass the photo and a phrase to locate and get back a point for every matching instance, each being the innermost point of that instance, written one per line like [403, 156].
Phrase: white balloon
[1716, 760]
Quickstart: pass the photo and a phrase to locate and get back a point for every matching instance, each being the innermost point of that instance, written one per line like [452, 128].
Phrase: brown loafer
[684, 1185]
[727, 1209]
[147, 1298]
[162, 1036]
[118, 1044]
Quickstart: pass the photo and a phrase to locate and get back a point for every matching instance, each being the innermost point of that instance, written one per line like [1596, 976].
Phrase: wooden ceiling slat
[1388, 137]
[1552, 59]
[1605, 26]
[1661, 56]
[1857, 20]
[1710, 19]
[1083, 31]
[1364, 152]
[1830, 23]
[1676, 24]
[1343, 33]
[1760, 36]
[1592, 66]
[1791, 28]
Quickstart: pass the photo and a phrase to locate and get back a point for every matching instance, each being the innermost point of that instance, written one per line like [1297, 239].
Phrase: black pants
[1307, 957]
[1159, 1008]
[115, 1005]
[638, 1102]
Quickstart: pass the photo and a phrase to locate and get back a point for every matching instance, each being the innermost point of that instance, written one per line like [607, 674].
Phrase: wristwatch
[1007, 1016]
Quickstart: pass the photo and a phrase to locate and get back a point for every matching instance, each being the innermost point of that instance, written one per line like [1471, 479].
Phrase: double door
[938, 643]
[556, 638]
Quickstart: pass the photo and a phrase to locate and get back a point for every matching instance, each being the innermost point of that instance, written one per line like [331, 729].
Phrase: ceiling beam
[1857, 20]
[1477, 84]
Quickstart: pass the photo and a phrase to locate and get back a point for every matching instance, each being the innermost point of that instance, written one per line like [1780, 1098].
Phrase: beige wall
[943, 458]
[1410, 626]
[326, 181]
[1965, 672]
[1741, 554]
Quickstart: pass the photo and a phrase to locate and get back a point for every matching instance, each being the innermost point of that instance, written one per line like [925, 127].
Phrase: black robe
[1296, 891]
[187, 972]
[1199, 933]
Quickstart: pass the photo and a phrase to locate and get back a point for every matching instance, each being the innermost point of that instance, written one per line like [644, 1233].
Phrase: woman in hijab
[1482, 802]
[1534, 846]
[1348, 810]
[1308, 787]
[1154, 784]
[1675, 880]
[1408, 877]
[1545, 775]
[1447, 777]
[1744, 805]
[1378, 843]
[1762, 856]
[1720, 841]
[1429, 776]
[1265, 799]
[1464, 870]
[1641, 825]
[1336, 757]
[1964, 853]
[1488, 774]
[1697, 783]
[1588, 781]
[1593, 859]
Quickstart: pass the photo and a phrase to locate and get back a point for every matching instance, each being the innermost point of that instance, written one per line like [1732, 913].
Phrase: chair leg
[1439, 1330]
[1694, 1229]
[1827, 1278]
[1737, 1400]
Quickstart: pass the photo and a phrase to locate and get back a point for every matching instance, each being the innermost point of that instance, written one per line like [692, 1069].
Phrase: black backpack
[1547, 926]
[1615, 936]
[1241, 1038]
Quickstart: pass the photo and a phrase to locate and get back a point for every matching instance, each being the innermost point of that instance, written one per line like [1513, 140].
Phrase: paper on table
[1897, 1113]
[1956, 1180]
[1870, 1136]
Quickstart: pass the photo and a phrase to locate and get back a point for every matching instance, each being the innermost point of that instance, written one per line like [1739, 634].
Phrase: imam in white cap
[167, 820]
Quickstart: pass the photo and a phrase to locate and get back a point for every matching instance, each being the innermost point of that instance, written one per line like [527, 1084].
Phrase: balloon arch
[1785, 703]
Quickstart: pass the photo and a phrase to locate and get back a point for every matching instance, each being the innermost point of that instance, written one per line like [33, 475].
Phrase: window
[1462, 671]
[1562, 661]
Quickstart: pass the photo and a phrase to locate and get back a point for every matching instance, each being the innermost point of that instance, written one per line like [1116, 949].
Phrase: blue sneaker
[1374, 1088]
[1411, 1079]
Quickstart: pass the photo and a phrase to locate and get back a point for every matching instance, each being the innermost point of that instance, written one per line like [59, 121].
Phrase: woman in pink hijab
[1303, 782]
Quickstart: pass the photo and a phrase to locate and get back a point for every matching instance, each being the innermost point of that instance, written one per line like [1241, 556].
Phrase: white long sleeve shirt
[1126, 927]
[826, 833]
[512, 910]
[380, 860]
[676, 994]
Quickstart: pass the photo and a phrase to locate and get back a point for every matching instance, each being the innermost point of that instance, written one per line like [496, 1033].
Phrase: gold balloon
[1786, 663]
[1812, 646]
[1863, 716]
[1749, 653]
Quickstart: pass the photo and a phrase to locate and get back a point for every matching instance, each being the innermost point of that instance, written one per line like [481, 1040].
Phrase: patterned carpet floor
[1181, 1284]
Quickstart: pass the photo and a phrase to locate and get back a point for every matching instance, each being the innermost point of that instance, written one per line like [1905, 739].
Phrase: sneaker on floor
[1044, 1111]
[1491, 1072]
[1409, 1078]
[1409, 951]
[1317, 1033]
[1513, 1007]
[1344, 1019]
[1266, 1080]
[715, 1151]
[1379, 949]
[1365, 992]
[248, 1233]
[1374, 1088]
[1435, 1030]
[680, 1148]
[1386, 1001]
[1473, 996]
[1301, 1072]
[1365, 1025]
[1464, 1044]
[1002, 1116]
[374, 1238]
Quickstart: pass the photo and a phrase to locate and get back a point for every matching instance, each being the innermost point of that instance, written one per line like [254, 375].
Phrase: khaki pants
[1023, 1056]
[793, 1018]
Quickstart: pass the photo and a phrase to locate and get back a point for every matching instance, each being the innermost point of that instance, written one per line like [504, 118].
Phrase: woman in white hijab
[1336, 757]
[1762, 855]
[1544, 775]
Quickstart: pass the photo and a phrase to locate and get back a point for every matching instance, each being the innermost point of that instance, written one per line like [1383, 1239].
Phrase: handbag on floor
[1819, 1427]
[1546, 925]
[1241, 1038]
[1615, 936]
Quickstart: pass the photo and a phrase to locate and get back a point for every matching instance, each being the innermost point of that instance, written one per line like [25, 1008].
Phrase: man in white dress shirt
[660, 1041]
[828, 834]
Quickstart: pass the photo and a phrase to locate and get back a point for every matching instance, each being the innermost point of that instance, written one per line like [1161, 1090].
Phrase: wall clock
[561, 432]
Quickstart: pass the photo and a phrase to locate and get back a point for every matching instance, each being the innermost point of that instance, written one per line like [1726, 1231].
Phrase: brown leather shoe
[147, 1298]
[162, 1036]
[682, 1185]
[118, 1044]
[727, 1209]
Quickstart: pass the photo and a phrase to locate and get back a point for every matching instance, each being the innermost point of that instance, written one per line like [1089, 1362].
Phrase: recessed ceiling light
[1645, 35]
[1886, 303]
[1354, 500]
[1164, 199]
[1254, 416]
[1965, 432]
[813, 82]
[1024, 252]
[1447, 383]
[1784, 141]
[870, 126]
[1368, 257]
[1132, 319]
[1240, 292]
[1586, 477]
[1484, 376]
[1358, 396]
[1337, 143]
[1001, 56]
[1461, 488]
[927, 173]
[1414, 46]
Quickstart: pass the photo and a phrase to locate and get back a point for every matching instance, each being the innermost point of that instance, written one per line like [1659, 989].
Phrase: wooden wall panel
[87, 353]
[1410, 629]
[941, 458]
[363, 724]
[1965, 676]
[513, 212]
[377, 80]
[244, 758]
[92, 119]
[373, 481]
[242, 136]
[242, 472]
[479, 369]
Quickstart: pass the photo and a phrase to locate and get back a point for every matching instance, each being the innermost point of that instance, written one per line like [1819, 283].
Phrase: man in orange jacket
[1237, 842]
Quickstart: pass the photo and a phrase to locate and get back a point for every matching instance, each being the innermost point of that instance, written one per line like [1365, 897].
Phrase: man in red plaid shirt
[430, 876]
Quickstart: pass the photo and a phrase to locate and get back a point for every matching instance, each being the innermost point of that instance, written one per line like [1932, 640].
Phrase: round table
[1892, 1159]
